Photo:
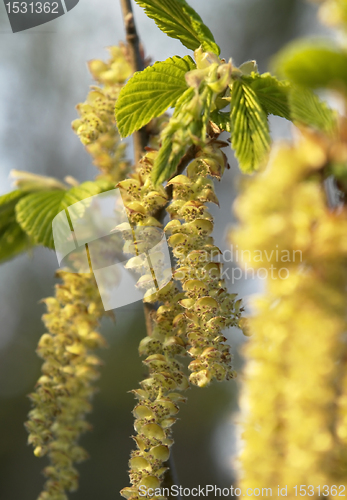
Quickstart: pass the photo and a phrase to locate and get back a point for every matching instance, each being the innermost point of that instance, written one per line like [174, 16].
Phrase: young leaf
[166, 163]
[36, 211]
[271, 93]
[313, 65]
[222, 120]
[8, 202]
[306, 108]
[250, 130]
[13, 240]
[151, 92]
[178, 20]
[184, 128]
[10, 198]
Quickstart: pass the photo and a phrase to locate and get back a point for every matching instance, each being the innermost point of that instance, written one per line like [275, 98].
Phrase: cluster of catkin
[195, 306]
[158, 395]
[333, 12]
[96, 126]
[63, 394]
[208, 306]
[295, 393]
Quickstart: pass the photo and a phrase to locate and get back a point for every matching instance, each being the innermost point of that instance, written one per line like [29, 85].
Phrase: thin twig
[140, 142]
[136, 61]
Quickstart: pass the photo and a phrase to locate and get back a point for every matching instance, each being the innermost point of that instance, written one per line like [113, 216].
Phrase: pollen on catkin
[96, 126]
[208, 306]
[294, 403]
[63, 393]
[159, 395]
[194, 308]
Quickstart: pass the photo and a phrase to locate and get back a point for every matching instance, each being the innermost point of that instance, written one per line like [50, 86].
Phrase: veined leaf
[178, 20]
[13, 240]
[306, 108]
[10, 198]
[250, 130]
[271, 93]
[313, 65]
[177, 137]
[8, 203]
[151, 92]
[36, 211]
[222, 120]
[166, 163]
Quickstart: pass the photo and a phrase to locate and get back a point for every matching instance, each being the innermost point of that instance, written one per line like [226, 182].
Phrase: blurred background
[43, 75]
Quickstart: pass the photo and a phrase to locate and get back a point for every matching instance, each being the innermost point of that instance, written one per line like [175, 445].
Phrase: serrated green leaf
[178, 20]
[151, 92]
[182, 130]
[36, 211]
[272, 94]
[313, 65]
[8, 202]
[10, 198]
[250, 130]
[222, 120]
[307, 109]
[12, 238]
[165, 164]
[13, 241]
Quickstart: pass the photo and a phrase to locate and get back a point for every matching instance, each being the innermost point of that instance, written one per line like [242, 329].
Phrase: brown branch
[140, 142]
[133, 43]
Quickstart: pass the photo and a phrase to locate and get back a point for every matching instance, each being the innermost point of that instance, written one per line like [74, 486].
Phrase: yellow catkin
[63, 393]
[333, 12]
[208, 306]
[294, 395]
[96, 126]
[195, 306]
[159, 394]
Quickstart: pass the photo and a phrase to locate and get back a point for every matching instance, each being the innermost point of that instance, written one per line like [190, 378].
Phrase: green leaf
[313, 65]
[151, 92]
[165, 164]
[13, 241]
[8, 203]
[271, 93]
[10, 198]
[36, 211]
[178, 20]
[12, 238]
[222, 120]
[307, 109]
[182, 130]
[250, 130]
